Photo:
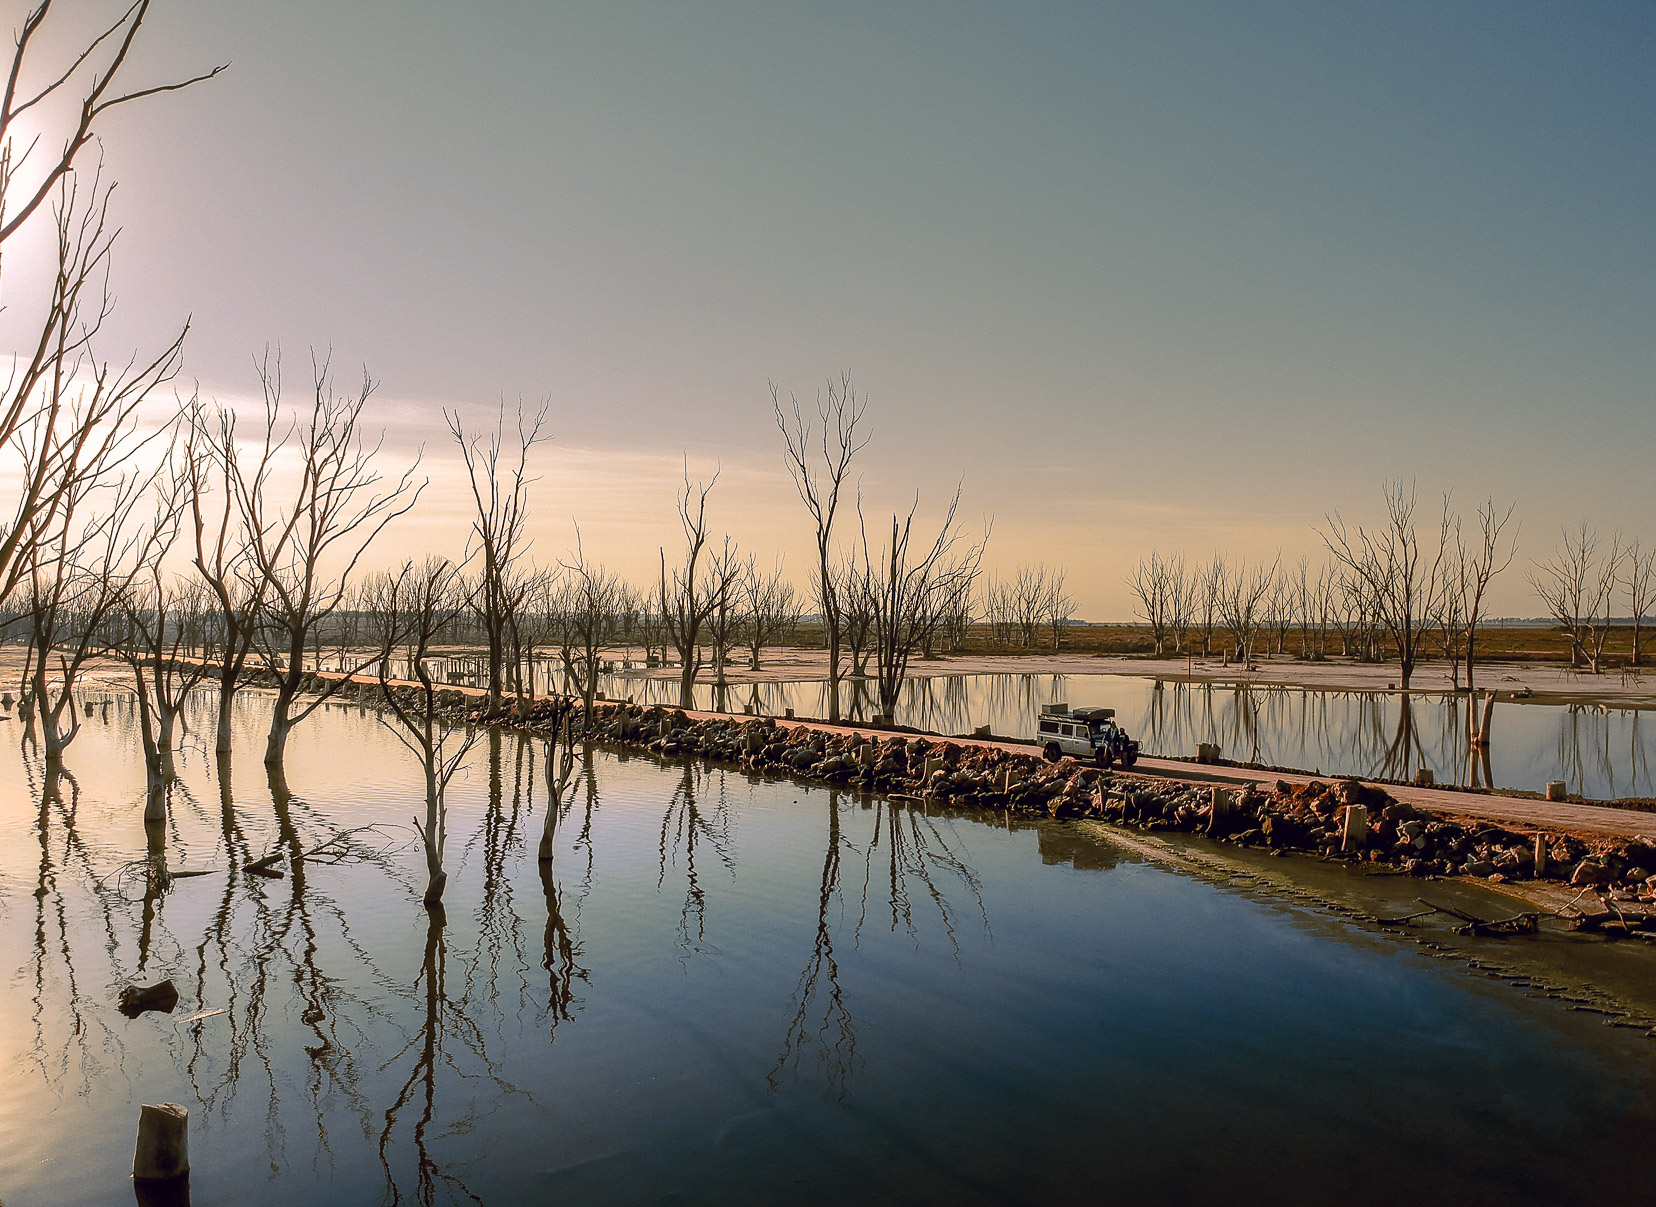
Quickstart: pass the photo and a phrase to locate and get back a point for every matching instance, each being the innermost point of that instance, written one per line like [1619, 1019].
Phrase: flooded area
[1602, 752]
[724, 989]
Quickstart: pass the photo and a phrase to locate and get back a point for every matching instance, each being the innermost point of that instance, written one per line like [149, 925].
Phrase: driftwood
[1519, 924]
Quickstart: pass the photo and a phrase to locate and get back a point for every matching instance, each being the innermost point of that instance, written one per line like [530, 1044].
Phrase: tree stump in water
[163, 1149]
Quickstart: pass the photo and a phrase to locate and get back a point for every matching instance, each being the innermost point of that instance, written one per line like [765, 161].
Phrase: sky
[1174, 276]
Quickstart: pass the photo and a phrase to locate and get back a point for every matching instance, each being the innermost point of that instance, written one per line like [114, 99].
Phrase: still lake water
[1603, 753]
[730, 990]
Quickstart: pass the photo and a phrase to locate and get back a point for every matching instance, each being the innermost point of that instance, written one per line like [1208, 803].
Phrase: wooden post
[1356, 826]
[869, 752]
[163, 1149]
[1540, 855]
[1218, 806]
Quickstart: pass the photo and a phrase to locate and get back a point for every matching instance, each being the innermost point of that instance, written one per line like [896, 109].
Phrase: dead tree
[1209, 587]
[497, 471]
[903, 590]
[306, 552]
[215, 464]
[589, 606]
[1153, 585]
[1491, 552]
[1403, 581]
[1639, 577]
[771, 610]
[409, 610]
[1241, 605]
[819, 458]
[77, 574]
[65, 436]
[694, 588]
[152, 632]
[1575, 584]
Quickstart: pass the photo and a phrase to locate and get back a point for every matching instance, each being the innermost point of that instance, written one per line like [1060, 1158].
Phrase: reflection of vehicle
[1089, 733]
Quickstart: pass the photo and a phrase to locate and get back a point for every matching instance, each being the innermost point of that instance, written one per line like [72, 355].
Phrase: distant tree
[1153, 586]
[1403, 581]
[771, 609]
[903, 586]
[1056, 604]
[1241, 604]
[1476, 564]
[1576, 584]
[696, 586]
[1639, 577]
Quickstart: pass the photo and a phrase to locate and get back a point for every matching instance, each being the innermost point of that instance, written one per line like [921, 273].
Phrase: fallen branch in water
[1518, 924]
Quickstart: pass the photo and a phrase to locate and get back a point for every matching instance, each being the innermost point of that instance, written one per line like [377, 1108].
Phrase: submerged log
[136, 999]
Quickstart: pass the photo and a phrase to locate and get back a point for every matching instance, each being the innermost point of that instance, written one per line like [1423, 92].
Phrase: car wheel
[1103, 758]
[1052, 754]
[1127, 760]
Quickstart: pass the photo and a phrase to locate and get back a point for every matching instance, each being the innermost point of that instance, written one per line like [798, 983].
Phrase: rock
[1589, 872]
[1480, 867]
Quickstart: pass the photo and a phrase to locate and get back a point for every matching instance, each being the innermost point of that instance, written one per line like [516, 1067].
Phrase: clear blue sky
[1166, 275]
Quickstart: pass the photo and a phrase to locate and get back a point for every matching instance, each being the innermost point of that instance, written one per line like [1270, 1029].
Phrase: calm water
[729, 990]
[1603, 753]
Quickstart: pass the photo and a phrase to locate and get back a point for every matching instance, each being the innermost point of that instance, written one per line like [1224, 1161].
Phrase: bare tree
[695, 588]
[1056, 604]
[1574, 585]
[1241, 599]
[499, 481]
[819, 457]
[409, 609]
[902, 590]
[1403, 582]
[224, 557]
[65, 436]
[1492, 552]
[1640, 580]
[591, 608]
[1209, 590]
[76, 576]
[306, 552]
[1153, 586]
[152, 631]
[771, 609]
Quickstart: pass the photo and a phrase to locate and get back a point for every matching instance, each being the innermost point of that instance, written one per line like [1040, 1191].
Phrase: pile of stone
[1344, 819]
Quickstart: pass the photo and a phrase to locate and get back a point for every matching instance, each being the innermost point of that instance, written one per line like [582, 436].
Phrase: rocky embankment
[1340, 820]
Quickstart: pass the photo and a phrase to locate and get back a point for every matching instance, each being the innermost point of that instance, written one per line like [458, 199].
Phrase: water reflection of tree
[445, 1035]
[561, 960]
[686, 827]
[908, 856]
[67, 1036]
